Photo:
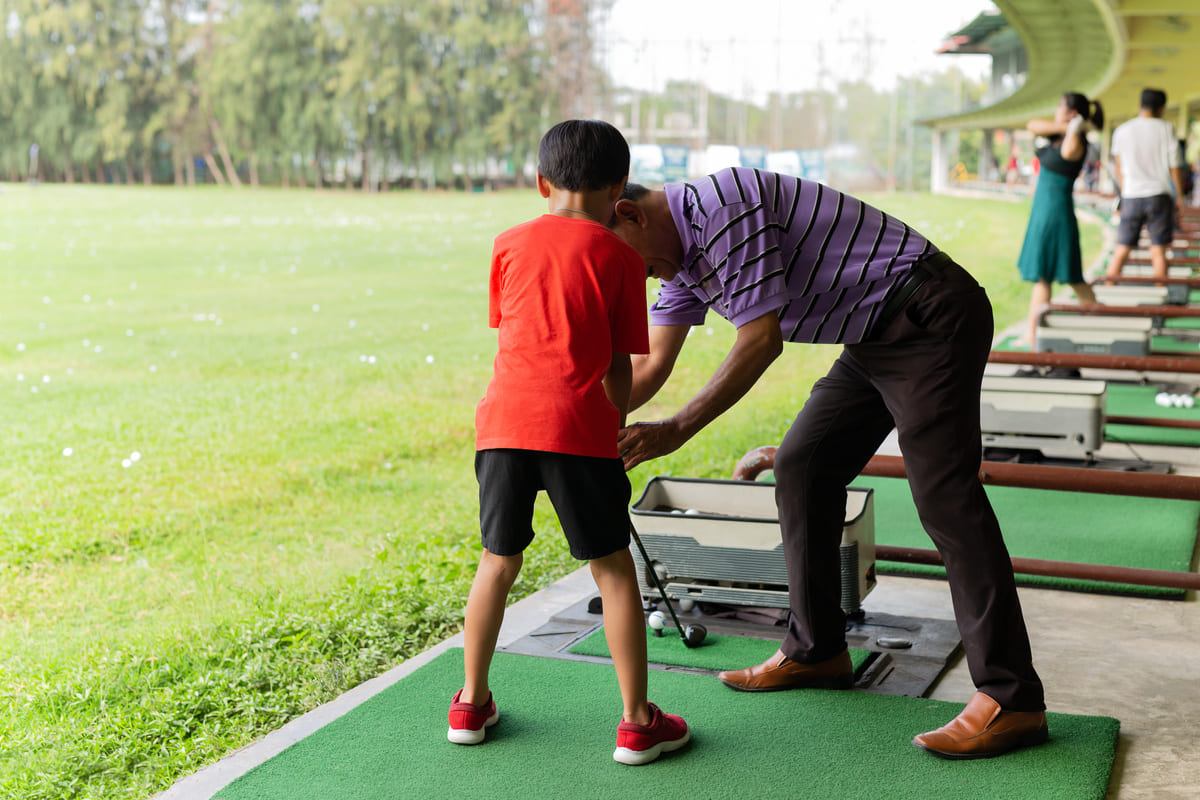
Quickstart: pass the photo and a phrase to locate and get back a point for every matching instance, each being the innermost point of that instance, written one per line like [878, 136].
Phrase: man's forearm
[647, 380]
[758, 344]
[650, 371]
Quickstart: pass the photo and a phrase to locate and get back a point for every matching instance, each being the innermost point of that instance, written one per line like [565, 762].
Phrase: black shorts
[1156, 213]
[590, 495]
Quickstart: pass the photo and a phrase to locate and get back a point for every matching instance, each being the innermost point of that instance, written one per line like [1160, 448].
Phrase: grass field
[237, 477]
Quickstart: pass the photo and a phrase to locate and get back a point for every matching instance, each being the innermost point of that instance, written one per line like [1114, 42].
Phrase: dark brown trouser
[921, 374]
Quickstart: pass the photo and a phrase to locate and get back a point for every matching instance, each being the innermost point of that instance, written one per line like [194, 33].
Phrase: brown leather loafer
[983, 730]
[780, 672]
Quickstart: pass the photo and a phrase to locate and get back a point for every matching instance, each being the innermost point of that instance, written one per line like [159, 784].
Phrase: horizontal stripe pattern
[757, 241]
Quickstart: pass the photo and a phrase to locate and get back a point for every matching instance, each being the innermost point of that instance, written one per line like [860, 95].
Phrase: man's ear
[628, 211]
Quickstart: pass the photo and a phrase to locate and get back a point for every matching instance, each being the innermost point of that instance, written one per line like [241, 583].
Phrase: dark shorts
[1156, 213]
[590, 495]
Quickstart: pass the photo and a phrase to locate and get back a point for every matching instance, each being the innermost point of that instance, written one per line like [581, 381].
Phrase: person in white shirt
[1150, 183]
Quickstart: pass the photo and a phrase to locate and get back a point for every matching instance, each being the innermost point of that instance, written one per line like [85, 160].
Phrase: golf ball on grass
[657, 622]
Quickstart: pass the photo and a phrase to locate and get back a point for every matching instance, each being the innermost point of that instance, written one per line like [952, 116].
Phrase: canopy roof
[1106, 49]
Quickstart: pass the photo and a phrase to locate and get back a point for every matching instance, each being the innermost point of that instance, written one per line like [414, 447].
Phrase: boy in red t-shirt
[569, 299]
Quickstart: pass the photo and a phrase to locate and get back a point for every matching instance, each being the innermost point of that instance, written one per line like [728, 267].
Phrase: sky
[747, 49]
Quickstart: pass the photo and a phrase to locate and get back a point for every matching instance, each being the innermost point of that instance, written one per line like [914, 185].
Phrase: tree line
[325, 92]
[293, 92]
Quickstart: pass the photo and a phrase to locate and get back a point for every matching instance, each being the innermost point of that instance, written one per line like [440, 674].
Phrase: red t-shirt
[566, 294]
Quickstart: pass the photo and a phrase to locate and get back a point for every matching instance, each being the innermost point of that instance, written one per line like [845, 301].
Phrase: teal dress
[1051, 248]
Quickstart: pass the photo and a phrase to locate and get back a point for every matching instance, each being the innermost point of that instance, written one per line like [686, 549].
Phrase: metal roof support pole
[939, 168]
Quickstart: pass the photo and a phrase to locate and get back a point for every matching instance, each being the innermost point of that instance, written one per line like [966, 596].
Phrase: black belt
[915, 279]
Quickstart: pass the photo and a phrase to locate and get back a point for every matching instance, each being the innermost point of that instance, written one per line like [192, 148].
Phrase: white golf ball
[691, 512]
[657, 621]
[1188, 401]
[686, 604]
[1177, 400]
[1162, 399]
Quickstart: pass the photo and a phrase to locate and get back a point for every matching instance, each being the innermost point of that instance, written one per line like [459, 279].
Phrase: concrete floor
[1129, 658]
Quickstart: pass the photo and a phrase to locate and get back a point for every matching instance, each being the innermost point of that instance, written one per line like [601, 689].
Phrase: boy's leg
[624, 629]
[508, 487]
[482, 619]
[591, 497]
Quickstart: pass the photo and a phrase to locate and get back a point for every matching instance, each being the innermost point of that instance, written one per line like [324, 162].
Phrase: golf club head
[693, 635]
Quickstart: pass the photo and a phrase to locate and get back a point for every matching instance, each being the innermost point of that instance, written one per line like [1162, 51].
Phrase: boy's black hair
[583, 155]
[1153, 99]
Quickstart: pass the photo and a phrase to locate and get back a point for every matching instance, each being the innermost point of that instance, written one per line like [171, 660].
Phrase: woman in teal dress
[1051, 253]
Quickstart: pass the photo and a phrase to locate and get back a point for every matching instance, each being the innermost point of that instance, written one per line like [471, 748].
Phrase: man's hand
[758, 343]
[643, 441]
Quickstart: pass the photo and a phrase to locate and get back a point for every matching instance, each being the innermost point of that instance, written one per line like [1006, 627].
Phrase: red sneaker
[467, 720]
[641, 744]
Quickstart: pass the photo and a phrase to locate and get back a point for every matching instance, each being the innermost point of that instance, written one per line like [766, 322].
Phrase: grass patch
[239, 478]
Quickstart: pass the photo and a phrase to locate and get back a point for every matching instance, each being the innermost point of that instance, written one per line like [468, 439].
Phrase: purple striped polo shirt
[757, 241]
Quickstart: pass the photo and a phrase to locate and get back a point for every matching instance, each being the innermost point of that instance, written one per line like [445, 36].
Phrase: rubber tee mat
[716, 653]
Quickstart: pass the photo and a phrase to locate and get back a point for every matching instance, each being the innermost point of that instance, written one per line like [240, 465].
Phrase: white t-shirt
[1148, 150]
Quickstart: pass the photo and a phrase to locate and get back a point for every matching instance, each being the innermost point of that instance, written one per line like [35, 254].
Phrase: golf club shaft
[657, 583]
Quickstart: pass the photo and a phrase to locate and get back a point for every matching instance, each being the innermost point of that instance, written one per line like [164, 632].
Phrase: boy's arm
[652, 369]
[618, 383]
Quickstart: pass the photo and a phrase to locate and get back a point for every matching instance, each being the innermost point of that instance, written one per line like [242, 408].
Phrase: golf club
[694, 635]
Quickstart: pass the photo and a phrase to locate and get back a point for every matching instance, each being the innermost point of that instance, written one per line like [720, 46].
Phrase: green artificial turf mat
[1160, 344]
[1009, 343]
[557, 730]
[1128, 400]
[1114, 530]
[716, 652]
[1185, 323]
[1165, 344]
